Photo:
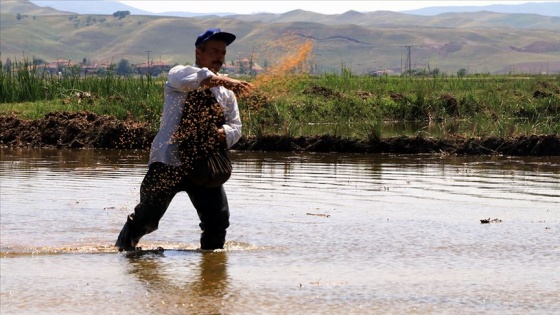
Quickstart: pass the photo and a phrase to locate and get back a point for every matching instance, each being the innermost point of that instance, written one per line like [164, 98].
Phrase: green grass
[344, 104]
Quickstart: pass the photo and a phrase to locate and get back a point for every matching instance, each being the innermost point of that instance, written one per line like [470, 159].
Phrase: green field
[349, 105]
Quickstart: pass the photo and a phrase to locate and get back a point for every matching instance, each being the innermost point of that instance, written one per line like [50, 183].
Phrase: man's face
[212, 55]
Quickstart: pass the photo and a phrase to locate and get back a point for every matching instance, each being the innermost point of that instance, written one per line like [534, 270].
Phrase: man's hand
[240, 88]
[221, 136]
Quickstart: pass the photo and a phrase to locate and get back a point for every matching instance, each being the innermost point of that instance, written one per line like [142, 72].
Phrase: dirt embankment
[74, 130]
[88, 130]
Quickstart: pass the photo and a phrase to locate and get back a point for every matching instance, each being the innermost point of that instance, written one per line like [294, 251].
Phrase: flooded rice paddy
[310, 234]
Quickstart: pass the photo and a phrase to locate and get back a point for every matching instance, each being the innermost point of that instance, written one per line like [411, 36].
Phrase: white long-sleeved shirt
[180, 81]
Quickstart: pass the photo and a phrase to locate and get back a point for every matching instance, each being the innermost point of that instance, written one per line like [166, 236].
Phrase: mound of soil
[74, 130]
[84, 129]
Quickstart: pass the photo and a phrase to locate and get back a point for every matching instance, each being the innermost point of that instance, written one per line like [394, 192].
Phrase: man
[165, 176]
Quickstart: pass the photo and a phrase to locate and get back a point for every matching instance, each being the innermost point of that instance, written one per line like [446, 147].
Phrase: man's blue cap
[214, 33]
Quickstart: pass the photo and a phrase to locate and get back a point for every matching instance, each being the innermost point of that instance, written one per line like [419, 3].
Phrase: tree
[242, 68]
[435, 72]
[121, 14]
[462, 72]
[124, 67]
[39, 61]
[8, 65]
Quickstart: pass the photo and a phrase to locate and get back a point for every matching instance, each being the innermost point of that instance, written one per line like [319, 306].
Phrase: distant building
[58, 66]
[153, 68]
[96, 68]
[379, 73]
[243, 66]
[65, 66]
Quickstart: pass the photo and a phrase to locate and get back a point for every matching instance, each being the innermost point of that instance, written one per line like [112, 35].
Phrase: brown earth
[83, 129]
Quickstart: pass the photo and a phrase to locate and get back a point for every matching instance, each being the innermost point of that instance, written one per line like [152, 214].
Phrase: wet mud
[67, 130]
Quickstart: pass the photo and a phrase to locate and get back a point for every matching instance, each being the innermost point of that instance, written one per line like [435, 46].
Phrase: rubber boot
[212, 240]
[128, 238]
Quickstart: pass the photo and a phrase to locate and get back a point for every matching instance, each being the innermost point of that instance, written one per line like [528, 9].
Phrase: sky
[324, 7]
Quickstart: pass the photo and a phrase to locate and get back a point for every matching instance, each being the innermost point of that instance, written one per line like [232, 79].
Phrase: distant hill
[88, 7]
[108, 7]
[541, 8]
[388, 19]
[480, 42]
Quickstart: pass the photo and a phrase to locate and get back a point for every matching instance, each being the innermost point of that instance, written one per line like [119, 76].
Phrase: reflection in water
[198, 281]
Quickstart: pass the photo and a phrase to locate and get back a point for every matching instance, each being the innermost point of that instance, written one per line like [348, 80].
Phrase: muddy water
[310, 234]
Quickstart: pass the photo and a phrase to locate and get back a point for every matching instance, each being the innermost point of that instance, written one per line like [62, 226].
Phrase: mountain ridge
[546, 8]
[481, 42]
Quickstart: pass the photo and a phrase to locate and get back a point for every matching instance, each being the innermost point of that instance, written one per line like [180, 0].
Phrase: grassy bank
[302, 105]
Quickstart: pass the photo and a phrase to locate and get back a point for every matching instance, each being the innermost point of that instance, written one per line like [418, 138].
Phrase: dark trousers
[158, 188]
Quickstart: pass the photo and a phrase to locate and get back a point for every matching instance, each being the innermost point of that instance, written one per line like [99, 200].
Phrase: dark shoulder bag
[205, 159]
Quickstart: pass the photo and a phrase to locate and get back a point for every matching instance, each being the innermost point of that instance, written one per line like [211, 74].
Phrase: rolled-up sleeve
[187, 78]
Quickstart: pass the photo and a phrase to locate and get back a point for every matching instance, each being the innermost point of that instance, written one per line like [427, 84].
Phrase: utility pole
[408, 65]
[149, 66]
